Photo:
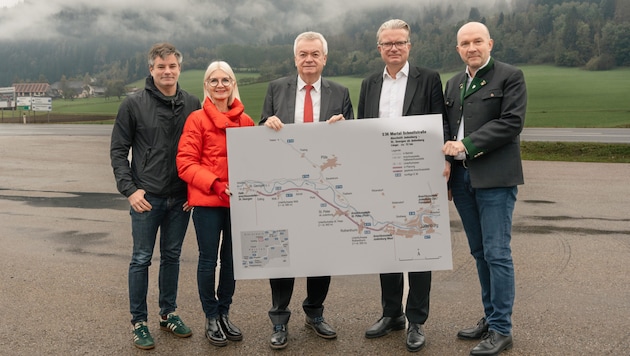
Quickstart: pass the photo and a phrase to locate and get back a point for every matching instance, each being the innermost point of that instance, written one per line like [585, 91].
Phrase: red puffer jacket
[202, 151]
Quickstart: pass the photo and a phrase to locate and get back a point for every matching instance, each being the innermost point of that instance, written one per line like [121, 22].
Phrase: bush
[568, 59]
[603, 62]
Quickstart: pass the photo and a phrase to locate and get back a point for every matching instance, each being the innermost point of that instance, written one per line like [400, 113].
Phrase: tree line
[591, 34]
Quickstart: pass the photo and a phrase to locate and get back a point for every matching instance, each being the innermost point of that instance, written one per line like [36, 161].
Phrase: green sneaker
[174, 324]
[142, 337]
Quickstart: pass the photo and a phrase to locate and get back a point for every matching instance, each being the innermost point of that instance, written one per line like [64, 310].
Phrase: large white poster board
[353, 197]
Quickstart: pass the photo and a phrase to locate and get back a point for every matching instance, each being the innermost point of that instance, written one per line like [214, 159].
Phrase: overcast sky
[9, 3]
[51, 18]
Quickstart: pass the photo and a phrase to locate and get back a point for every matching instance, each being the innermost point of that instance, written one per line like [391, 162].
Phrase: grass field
[557, 97]
[575, 152]
[567, 97]
[571, 97]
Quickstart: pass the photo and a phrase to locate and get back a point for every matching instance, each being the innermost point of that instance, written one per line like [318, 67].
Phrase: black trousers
[282, 290]
[417, 308]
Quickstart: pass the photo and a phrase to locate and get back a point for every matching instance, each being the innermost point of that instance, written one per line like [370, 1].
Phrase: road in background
[601, 135]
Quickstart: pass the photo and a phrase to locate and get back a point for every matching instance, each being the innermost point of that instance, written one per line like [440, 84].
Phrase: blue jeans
[487, 218]
[210, 222]
[168, 215]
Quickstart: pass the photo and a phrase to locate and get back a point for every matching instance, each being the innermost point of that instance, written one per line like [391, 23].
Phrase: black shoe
[476, 332]
[384, 325]
[321, 327]
[279, 338]
[492, 344]
[415, 337]
[231, 331]
[214, 332]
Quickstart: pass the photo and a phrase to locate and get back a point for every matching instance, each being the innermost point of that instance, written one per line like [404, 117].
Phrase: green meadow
[557, 97]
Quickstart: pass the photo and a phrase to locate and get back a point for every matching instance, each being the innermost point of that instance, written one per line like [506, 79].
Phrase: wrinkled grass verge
[575, 152]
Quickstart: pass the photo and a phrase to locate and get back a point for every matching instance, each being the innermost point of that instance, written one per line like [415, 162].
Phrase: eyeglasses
[389, 45]
[213, 82]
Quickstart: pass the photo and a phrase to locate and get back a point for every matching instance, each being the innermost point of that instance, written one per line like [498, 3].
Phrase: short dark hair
[164, 50]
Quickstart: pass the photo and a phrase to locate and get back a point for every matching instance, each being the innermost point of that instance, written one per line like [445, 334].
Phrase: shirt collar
[317, 85]
[480, 68]
[404, 71]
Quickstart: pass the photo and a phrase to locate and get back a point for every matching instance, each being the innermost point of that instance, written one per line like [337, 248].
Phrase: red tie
[308, 104]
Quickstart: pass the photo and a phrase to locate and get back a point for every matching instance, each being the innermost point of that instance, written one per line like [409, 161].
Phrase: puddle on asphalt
[81, 200]
[538, 201]
[549, 229]
[77, 242]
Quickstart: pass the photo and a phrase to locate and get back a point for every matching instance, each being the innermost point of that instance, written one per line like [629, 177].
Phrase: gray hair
[394, 24]
[310, 35]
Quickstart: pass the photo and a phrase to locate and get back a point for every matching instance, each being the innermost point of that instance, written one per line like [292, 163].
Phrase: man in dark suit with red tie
[302, 99]
[401, 90]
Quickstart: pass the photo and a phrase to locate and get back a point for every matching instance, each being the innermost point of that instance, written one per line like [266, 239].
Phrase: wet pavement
[65, 237]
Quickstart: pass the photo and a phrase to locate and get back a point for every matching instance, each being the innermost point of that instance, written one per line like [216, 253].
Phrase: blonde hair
[223, 66]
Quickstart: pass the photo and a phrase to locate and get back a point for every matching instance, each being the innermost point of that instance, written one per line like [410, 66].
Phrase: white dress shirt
[393, 93]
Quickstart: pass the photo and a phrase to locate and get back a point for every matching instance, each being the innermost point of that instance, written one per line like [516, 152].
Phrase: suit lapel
[410, 91]
[290, 95]
[324, 100]
[374, 99]
[478, 81]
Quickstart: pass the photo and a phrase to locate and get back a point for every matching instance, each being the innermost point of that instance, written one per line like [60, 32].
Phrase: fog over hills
[47, 40]
[235, 21]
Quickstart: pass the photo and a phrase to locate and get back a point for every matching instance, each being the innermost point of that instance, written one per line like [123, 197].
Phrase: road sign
[23, 101]
[42, 100]
[40, 107]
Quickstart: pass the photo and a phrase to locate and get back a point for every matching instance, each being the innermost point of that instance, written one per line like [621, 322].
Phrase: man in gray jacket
[485, 107]
[150, 123]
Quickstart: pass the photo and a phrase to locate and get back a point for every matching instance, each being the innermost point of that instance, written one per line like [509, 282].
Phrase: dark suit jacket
[280, 100]
[423, 95]
[494, 117]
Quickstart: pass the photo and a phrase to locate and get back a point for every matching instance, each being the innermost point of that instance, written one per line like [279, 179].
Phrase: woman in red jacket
[202, 163]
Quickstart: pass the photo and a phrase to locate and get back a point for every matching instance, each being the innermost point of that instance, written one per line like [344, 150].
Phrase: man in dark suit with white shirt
[303, 98]
[401, 90]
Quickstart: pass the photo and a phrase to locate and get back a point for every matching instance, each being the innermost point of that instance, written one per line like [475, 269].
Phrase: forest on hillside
[591, 34]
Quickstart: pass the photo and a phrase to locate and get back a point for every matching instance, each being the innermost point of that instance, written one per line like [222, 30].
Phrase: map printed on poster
[353, 197]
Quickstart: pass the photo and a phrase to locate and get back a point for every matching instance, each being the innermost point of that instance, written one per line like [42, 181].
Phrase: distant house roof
[31, 88]
[73, 84]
